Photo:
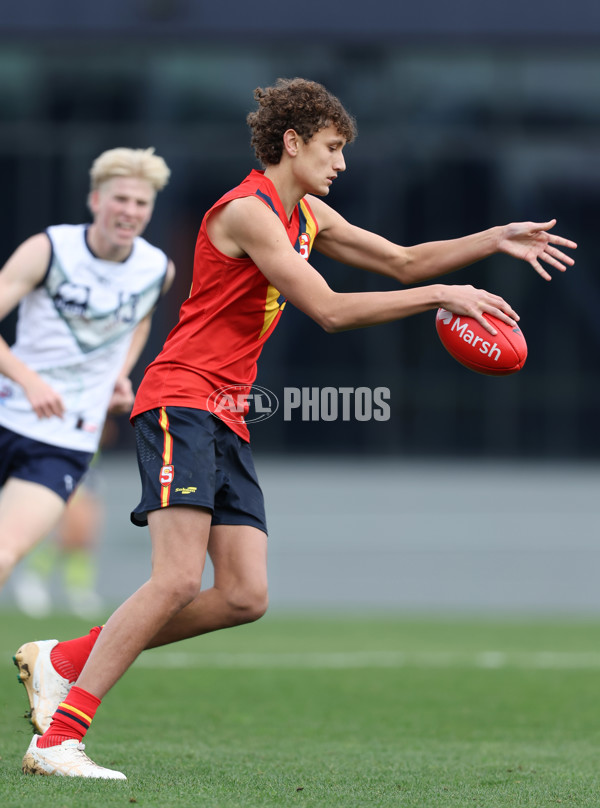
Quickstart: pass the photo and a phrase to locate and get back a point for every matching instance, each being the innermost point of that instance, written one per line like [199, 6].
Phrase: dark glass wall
[454, 136]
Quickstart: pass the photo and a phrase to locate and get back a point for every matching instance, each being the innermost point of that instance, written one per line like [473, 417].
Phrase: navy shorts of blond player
[54, 467]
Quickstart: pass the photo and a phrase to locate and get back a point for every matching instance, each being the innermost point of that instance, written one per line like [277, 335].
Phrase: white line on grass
[537, 660]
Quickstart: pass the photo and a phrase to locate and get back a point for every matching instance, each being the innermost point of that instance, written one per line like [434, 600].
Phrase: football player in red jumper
[200, 492]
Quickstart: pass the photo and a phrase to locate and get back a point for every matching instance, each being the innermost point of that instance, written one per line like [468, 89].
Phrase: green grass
[332, 711]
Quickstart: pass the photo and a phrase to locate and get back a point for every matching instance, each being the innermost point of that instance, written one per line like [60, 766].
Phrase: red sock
[72, 718]
[68, 658]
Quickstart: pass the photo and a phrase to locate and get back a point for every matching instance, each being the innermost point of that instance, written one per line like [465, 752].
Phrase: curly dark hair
[298, 104]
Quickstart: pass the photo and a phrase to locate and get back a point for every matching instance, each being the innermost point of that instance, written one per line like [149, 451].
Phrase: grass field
[334, 711]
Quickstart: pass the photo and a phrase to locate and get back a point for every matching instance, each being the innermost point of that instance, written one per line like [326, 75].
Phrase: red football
[475, 348]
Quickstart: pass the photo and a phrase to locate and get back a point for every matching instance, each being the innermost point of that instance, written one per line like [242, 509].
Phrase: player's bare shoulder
[37, 247]
[30, 260]
[24, 270]
[238, 224]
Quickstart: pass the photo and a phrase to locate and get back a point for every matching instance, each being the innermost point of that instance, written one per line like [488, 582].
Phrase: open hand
[531, 242]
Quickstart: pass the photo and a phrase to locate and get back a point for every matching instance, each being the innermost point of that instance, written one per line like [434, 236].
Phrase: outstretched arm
[246, 226]
[528, 241]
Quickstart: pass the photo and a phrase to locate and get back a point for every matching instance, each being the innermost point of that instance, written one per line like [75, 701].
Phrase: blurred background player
[85, 294]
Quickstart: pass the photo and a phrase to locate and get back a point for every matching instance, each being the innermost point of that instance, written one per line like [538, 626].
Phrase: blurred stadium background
[478, 493]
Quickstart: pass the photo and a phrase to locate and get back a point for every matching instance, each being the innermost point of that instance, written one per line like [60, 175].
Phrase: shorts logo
[189, 490]
[166, 475]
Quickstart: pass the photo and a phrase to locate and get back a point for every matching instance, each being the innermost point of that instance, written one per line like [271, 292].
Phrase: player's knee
[177, 592]
[248, 604]
[187, 589]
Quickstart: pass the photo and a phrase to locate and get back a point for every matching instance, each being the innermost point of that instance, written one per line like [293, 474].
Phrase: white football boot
[67, 759]
[45, 687]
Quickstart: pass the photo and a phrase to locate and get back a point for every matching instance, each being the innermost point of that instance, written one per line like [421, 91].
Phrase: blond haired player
[85, 295]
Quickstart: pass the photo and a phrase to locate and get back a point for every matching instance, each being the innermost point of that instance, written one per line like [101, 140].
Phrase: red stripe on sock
[69, 657]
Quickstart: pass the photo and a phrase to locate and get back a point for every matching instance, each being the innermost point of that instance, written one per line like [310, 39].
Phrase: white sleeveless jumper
[74, 330]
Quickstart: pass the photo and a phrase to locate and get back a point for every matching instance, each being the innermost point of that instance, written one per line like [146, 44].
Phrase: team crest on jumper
[166, 475]
[72, 298]
[304, 245]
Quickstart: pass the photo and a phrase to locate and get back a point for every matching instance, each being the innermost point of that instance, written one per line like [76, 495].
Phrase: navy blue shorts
[57, 468]
[189, 457]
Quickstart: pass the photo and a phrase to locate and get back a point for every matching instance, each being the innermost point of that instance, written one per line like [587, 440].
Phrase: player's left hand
[121, 400]
[531, 242]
